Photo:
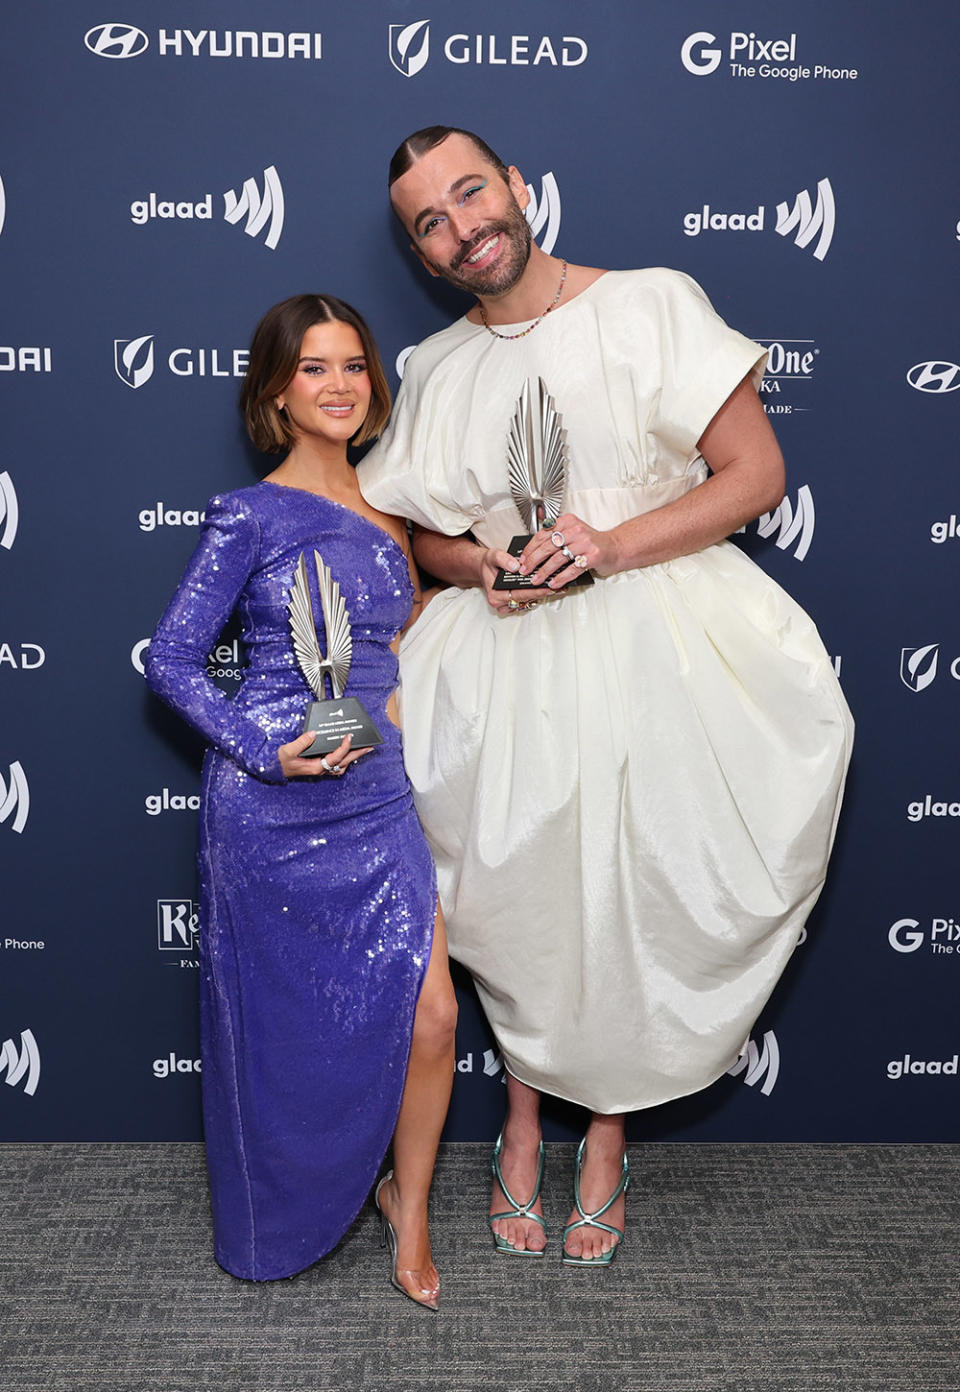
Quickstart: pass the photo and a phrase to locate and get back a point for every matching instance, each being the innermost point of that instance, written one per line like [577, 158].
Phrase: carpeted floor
[748, 1268]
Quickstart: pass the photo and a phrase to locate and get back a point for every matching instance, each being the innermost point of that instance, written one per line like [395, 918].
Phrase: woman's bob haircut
[274, 354]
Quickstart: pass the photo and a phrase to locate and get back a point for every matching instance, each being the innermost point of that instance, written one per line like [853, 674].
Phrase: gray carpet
[748, 1268]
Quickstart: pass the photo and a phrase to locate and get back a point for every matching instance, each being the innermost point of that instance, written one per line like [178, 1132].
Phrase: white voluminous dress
[631, 791]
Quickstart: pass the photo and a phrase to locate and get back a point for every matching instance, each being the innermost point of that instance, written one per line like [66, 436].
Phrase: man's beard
[517, 240]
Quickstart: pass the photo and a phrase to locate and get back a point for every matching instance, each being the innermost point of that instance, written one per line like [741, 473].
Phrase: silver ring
[580, 562]
[567, 552]
[558, 539]
[331, 768]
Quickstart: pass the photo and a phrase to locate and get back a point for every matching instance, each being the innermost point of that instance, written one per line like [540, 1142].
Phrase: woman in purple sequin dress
[327, 1013]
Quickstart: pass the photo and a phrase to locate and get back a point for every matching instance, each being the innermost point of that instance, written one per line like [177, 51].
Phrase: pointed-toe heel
[388, 1238]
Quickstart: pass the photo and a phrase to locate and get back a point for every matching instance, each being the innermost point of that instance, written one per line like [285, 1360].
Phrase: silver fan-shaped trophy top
[336, 621]
[537, 456]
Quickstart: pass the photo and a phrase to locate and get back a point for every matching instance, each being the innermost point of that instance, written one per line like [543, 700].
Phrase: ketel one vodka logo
[257, 211]
[177, 925]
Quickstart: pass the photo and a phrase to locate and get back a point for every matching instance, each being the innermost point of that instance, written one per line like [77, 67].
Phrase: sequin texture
[317, 895]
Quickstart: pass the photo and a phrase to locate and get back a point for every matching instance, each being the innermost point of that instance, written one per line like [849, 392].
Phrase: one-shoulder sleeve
[176, 660]
[702, 360]
[405, 472]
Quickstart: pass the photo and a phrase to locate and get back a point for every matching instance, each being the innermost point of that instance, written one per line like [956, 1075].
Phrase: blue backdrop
[168, 177]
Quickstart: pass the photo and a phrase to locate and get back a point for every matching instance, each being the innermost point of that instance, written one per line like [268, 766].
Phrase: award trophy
[330, 720]
[537, 462]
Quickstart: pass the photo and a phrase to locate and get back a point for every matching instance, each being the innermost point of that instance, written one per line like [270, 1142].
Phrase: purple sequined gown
[317, 894]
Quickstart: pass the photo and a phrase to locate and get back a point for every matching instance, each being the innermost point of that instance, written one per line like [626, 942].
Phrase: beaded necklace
[530, 327]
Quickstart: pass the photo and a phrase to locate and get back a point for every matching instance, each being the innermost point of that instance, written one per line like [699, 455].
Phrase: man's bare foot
[414, 1271]
[519, 1164]
[599, 1177]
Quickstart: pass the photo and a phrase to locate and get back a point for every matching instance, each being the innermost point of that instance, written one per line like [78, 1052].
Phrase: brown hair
[409, 151]
[274, 354]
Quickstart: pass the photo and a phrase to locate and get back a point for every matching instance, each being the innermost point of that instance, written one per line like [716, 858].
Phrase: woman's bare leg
[426, 1097]
[518, 1165]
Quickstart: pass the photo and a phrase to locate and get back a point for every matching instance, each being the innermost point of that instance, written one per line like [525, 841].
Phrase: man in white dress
[630, 789]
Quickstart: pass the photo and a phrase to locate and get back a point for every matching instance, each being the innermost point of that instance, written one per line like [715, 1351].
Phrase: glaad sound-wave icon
[15, 798]
[754, 1063]
[257, 209]
[26, 1062]
[809, 220]
[544, 215]
[9, 512]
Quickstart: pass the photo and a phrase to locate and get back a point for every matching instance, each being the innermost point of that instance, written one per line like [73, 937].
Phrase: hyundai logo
[934, 376]
[116, 40]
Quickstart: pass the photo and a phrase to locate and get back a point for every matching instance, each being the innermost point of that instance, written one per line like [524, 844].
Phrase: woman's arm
[176, 661]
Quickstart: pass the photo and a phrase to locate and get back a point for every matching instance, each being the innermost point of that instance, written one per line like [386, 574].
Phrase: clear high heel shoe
[429, 1300]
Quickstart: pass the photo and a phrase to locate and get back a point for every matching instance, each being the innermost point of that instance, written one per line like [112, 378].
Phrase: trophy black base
[509, 580]
[331, 721]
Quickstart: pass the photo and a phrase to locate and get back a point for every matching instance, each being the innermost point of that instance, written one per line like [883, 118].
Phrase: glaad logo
[906, 935]
[809, 220]
[803, 216]
[405, 55]
[793, 526]
[15, 798]
[918, 666]
[133, 360]
[126, 41]
[940, 531]
[899, 1068]
[937, 377]
[408, 48]
[116, 40]
[753, 1063]
[493, 1065]
[166, 1067]
[258, 209]
[25, 1063]
[161, 516]
[177, 925]
[9, 512]
[155, 803]
[543, 215]
[929, 807]
[3, 205]
[751, 56]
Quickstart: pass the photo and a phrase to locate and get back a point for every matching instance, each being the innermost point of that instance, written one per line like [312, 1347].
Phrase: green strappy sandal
[518, 1210]
[589, 1220]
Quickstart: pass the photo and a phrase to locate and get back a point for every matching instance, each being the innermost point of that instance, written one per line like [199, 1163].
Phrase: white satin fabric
[631, 791]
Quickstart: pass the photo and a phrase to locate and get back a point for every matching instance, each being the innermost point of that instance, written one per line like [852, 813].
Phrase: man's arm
[747, 479]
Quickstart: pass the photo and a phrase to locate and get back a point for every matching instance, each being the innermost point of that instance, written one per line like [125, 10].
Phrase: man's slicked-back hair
[410, 150]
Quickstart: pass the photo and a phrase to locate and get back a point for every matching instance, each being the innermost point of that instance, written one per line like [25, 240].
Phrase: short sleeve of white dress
[702, 360]
[404, 472]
